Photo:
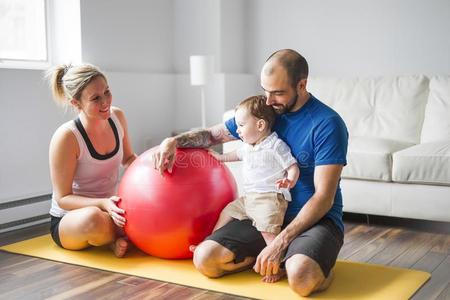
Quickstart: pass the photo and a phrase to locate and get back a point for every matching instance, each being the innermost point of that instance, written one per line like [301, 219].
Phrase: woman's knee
[304, 274]
[92, 219]
[79, 227]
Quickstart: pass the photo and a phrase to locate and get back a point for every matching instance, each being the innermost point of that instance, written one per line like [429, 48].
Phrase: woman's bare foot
[120, 247]
[274, 278]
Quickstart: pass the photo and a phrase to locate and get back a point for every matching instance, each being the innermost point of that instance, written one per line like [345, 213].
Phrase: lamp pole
[202, 91]
[201, 71]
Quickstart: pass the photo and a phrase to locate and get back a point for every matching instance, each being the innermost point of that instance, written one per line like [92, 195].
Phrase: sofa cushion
[371, 158]
[427, 163]
[436, 125]
[386, 107]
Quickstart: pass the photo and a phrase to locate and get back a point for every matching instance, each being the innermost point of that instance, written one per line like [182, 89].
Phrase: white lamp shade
[201, 69]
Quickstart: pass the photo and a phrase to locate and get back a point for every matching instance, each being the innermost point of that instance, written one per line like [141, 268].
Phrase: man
[313, 233]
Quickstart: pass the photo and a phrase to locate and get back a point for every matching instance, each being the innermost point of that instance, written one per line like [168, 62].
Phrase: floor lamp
[201, 70]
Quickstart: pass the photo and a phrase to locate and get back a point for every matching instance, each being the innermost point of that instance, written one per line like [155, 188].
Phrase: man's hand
[164, 159]
[268, 261]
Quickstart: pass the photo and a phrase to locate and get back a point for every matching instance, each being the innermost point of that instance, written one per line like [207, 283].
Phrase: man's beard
[284, 108]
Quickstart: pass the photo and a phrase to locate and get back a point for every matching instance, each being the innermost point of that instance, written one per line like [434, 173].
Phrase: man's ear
[301, 85]
[261, 125]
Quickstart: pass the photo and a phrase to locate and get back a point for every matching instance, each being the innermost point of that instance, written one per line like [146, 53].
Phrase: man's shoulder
[322, 110]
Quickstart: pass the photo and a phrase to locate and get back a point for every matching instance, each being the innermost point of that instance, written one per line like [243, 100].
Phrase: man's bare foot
[120, 247]
[274, 278]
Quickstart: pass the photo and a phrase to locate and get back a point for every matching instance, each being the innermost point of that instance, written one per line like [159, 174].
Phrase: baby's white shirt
[264, 164]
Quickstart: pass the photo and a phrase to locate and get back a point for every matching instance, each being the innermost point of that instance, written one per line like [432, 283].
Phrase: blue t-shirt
[317, 135]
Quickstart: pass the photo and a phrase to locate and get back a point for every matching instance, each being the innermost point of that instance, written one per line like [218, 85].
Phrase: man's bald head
[291, 61]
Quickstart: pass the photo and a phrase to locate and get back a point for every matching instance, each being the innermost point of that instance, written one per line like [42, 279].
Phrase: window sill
[30, 65]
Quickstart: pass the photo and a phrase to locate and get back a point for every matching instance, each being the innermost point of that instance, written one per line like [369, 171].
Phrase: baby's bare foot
[120, 247]
[274, 278]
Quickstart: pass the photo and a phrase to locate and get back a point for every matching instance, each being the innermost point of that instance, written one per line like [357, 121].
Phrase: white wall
[148, 103]
[132, 41]
[196, 31]
[351, 38]
[29, 118]
[144, 48]
[128, 36]
[217, 28]
[233, 36]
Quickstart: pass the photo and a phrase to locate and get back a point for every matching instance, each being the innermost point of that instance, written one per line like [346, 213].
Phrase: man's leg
[232, 248]
[311, 256]
[305, 276]
[214, 260]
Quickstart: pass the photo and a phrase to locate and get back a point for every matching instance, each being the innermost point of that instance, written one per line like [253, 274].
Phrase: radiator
[24, 212]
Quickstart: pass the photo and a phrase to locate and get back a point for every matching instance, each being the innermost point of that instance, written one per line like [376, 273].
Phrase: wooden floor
[394, 242]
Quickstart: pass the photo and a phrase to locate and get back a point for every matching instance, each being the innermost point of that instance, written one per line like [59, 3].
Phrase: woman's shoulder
[64, 144]
[118, 112]
[119, 115]
[64, 134]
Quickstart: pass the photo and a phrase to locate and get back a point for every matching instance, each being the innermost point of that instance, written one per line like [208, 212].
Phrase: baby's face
[247, 126]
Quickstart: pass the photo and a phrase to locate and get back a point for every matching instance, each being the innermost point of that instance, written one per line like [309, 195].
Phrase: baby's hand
[215, 154]
[284, 183]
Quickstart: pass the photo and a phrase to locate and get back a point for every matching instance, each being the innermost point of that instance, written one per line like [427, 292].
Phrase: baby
[269, 170]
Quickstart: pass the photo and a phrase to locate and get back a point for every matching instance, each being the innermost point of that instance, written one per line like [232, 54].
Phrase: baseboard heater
[23, 213]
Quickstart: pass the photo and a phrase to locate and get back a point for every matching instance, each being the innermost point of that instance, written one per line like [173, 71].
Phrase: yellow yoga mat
[352, 280]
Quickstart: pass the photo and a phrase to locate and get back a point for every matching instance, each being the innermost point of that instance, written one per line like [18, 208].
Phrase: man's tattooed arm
[204, 138]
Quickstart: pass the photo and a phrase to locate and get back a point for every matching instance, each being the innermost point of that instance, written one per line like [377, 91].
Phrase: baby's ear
[262, 124]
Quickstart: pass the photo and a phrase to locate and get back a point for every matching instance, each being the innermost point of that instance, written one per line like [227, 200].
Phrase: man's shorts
[321, 242]
[266, 210]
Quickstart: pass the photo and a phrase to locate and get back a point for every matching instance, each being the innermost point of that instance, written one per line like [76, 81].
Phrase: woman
[85, 156]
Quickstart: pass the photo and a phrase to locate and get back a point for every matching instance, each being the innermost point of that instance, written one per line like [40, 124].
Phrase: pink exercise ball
[166, 214]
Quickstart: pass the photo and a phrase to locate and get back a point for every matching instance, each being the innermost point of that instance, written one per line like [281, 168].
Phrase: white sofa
[399, 146]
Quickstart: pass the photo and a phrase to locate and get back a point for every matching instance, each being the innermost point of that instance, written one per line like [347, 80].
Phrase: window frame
[35, 64]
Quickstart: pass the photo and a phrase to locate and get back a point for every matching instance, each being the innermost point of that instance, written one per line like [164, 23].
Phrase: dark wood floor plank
[359, 238]
[10, 260]
[217, 296]
[437, 284]
[24, 286]
[53, 280]
[349, 227]
[416, 251]
[167, 291]
[116, 289]
[398, 244]
[442, 245]
[445, 294]
[374, 245]
[86, 287]
[429, 262]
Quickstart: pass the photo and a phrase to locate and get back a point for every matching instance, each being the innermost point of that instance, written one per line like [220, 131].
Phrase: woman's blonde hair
[67, 82]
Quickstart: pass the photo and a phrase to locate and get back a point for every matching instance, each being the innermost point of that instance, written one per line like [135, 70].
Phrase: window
[23, 33]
